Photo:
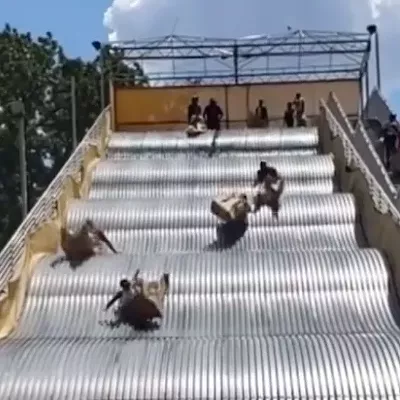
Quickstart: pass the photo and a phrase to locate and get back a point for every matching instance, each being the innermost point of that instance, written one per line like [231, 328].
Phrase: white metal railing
[381, 200]
[341, 112]
[361, 130]
[377, 159]
[45, 206]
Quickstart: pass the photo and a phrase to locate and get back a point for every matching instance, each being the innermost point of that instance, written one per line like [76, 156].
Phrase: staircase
[298, 309]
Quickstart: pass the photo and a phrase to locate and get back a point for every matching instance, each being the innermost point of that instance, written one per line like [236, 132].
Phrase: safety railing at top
[382, 202]
[364, 145]
[45, 206]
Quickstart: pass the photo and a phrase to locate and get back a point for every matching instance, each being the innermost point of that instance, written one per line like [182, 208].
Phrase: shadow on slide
[228, 234]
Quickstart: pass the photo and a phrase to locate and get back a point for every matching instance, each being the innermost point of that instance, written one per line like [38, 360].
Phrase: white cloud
[138, 19]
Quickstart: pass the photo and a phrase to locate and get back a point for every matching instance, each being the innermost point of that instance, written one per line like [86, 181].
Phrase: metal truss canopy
[299, 55]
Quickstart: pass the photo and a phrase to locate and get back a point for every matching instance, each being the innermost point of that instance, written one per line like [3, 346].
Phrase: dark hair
[125, 284]
[89, 223]
[263, 165]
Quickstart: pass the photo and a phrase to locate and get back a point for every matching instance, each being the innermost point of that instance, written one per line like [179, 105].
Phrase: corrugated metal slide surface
[295, 310]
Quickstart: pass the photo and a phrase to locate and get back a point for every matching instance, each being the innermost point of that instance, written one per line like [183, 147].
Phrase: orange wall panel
[166, 108]
[276, 96]
[161, 105]
[237, 104]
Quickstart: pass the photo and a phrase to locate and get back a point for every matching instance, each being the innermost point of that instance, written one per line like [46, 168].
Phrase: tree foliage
[38, 72]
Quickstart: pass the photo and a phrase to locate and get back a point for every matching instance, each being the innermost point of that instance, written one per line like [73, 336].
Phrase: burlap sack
[224, 206]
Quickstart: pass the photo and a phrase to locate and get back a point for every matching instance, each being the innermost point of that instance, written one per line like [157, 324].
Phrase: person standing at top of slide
[213, 115]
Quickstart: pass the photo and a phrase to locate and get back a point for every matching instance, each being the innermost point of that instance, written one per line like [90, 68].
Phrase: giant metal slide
[297, 309]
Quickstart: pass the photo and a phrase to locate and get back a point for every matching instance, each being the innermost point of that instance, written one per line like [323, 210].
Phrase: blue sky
[394, 100]
[75, 23]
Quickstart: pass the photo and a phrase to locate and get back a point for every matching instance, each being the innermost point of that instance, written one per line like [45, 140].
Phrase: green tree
[26, 68]
[39, 73]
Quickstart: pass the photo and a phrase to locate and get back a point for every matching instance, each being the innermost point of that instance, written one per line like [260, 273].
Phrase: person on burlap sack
[270, 186]
[83, 244]
[139, 302]
[233, 210]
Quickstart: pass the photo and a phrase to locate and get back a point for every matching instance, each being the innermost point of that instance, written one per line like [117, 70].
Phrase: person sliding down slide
[140, 302]
[233, 210]
[264, 172]
[270, 188]
[271, 196]
[82, 245]
[196, 127]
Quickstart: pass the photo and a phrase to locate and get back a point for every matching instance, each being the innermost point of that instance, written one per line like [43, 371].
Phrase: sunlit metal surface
[194, 212]
[121, 154]
[119, 190]
[240, 140]
[145, 241]
[240, 169]
[294, 310]
[272, 139]
[294, 271]
[221, 315]
[278, 293]
[158, 141]
[292, 367]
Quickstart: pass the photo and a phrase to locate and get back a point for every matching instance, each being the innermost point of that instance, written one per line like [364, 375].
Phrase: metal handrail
[43, 209]
[381, 200]
[369, 144]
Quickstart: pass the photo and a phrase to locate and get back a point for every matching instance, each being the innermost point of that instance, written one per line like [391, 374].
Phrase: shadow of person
[228, 234]
[141, 326]
[73, 263]
[138, 314]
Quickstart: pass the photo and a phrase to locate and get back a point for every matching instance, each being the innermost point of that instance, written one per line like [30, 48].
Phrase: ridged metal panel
[147, 241]
[218, 315]
[241, 170]
[121, 154]
[272, 138]
[257, 321]
[158, 142]
[124, 191]
[195, 212]
[218, 273]
[296, 367]
[275, 293]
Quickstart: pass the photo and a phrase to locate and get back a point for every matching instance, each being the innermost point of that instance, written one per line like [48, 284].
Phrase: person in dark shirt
[268, 195]
[262, 113]
[131, 305]
[390, 133]
[213, 115]
[81, 245]
[125, 295]
[194, 109]
[288, 116]
[264, 172]
[299, 108]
